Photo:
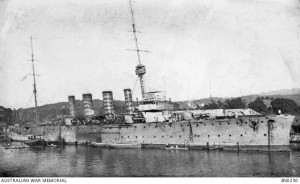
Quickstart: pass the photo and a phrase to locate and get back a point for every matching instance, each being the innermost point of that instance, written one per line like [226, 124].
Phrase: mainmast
[34, 83]
[140, 69]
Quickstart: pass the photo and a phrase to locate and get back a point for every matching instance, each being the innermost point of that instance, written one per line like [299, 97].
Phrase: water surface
[83, 161]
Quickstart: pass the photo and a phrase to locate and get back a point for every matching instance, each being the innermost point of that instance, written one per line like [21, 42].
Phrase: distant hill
[284, 92]
[50, 111]
[5, 114]
[293, 94]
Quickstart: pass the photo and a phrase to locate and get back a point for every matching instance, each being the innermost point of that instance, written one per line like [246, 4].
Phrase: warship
[152, 123]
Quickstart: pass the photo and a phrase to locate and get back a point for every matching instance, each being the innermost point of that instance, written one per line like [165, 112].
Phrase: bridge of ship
[152, 105]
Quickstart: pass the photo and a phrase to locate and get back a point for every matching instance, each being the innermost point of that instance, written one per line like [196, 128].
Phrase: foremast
[140, 69]
[34, 83]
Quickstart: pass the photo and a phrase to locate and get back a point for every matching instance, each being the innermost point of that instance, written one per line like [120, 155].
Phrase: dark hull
[36, 143]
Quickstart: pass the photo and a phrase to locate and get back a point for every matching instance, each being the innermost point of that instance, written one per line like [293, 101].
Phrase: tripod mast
[140, 69]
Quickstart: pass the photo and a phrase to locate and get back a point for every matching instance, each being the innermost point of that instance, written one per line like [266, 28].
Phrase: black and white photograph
[149, 89]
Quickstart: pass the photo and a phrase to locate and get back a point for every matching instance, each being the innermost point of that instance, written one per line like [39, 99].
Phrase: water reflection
[86, 161]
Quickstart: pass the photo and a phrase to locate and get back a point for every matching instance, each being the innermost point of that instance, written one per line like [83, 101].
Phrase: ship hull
[246, 133]
[36, 143]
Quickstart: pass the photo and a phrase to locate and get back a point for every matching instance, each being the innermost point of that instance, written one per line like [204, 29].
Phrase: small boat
[124, 145]
[16, 147]
[36, 143]
[99, 144]
[175, 148]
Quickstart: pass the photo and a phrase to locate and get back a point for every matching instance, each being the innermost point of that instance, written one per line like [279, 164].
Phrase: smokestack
[108, 104]
[128, 101]
[88, 105]
[72, 106]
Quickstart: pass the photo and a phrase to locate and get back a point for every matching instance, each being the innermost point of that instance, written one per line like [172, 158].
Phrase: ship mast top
[134, 33]
[140, 69]
[34, 82]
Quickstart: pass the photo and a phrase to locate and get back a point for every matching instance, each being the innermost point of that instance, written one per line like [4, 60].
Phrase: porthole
[265, 134]
[135, 136]
[162, 136]
[220, 123]
[229, 135]
[122, 137]
[154, 136]
[180, 136]
[171, 136]
[218, 135]
[128, 136]
[241, 135]
[144, 127]
[208, 135]
[228, 123]
[212, 124]
[198, 135]
[204, 124]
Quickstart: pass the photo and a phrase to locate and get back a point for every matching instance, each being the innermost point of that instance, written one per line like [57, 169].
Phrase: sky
[236, 47]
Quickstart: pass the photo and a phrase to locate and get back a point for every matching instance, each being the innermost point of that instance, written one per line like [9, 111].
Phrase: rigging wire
[26, 106]
[134, 85]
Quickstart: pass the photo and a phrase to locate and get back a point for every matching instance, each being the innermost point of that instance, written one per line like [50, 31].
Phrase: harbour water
[85, 161]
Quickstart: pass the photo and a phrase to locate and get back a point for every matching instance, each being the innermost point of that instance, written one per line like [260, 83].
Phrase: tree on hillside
[220, 104]
[234, 103]
[284, 105]
[211, 105]
[176, 106]
[258, 105]
[198, 107]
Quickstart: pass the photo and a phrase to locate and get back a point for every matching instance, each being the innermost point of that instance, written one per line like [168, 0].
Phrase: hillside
[50, 111]
[293, 94]
[281, 92]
